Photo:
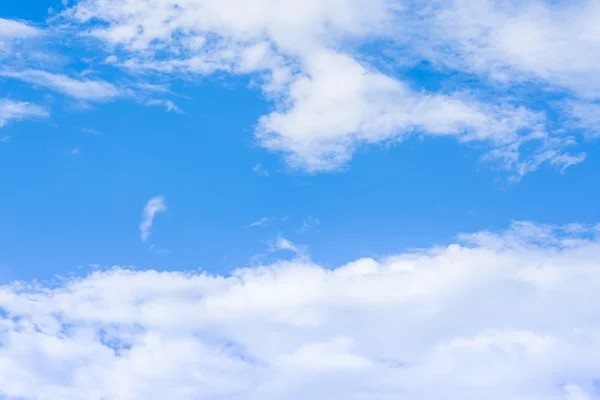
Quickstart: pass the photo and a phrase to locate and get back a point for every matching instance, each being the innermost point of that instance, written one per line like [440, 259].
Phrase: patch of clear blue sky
[60, 210]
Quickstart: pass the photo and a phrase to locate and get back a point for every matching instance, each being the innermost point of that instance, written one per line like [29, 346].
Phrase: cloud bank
[494, 316]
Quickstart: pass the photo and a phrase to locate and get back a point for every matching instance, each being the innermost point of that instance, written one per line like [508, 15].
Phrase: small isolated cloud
[309, 223]
[18, 110]
[261, 222]
[282, 243]
[260, 170]
[494, 316]
[155, 205]
[167, 104]
[75, 150]
[159, 251]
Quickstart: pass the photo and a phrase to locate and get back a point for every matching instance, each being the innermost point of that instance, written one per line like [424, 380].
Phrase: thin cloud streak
[155, 205]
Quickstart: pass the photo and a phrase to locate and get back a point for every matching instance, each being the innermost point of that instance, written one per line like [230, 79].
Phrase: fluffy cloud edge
[327, 102]
[495, 315]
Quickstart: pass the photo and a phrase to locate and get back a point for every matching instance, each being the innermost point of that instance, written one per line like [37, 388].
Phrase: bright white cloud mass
[497, 316]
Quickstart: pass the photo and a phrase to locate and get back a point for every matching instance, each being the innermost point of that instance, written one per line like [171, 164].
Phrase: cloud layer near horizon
[495, 316]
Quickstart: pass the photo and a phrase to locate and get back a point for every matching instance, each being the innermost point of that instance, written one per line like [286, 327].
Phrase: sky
[271, 199]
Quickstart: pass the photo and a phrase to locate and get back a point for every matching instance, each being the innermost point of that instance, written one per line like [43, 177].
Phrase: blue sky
[81, 177]
[280, 138]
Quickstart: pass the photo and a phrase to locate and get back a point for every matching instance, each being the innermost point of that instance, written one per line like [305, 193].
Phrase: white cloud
[18, 110]
[282, 243]
[260, 170]
[261, 222]
[556, 42]
[94, 90]
[155, 205]
[84, 89]
[16, 29]
[12, 32]
[585, 116]
[167, 104]
[552, 43]
[496, 316]
[309, 223]
[327, 102]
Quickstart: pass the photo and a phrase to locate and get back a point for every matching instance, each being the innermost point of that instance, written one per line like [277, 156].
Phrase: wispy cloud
[90, 131]
[18, 110]
[512, 42]
[260, 170]
[327, 101]
[586, 116]
[155, 205]
[83, 89]
[159, 251]
[282, 243]
[167, 104]
[261, 222]
[309, 223]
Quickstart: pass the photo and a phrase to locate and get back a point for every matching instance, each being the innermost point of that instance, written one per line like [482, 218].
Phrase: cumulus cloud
[155, 205]
[327, 101]
[18, 110]
[494, 316]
